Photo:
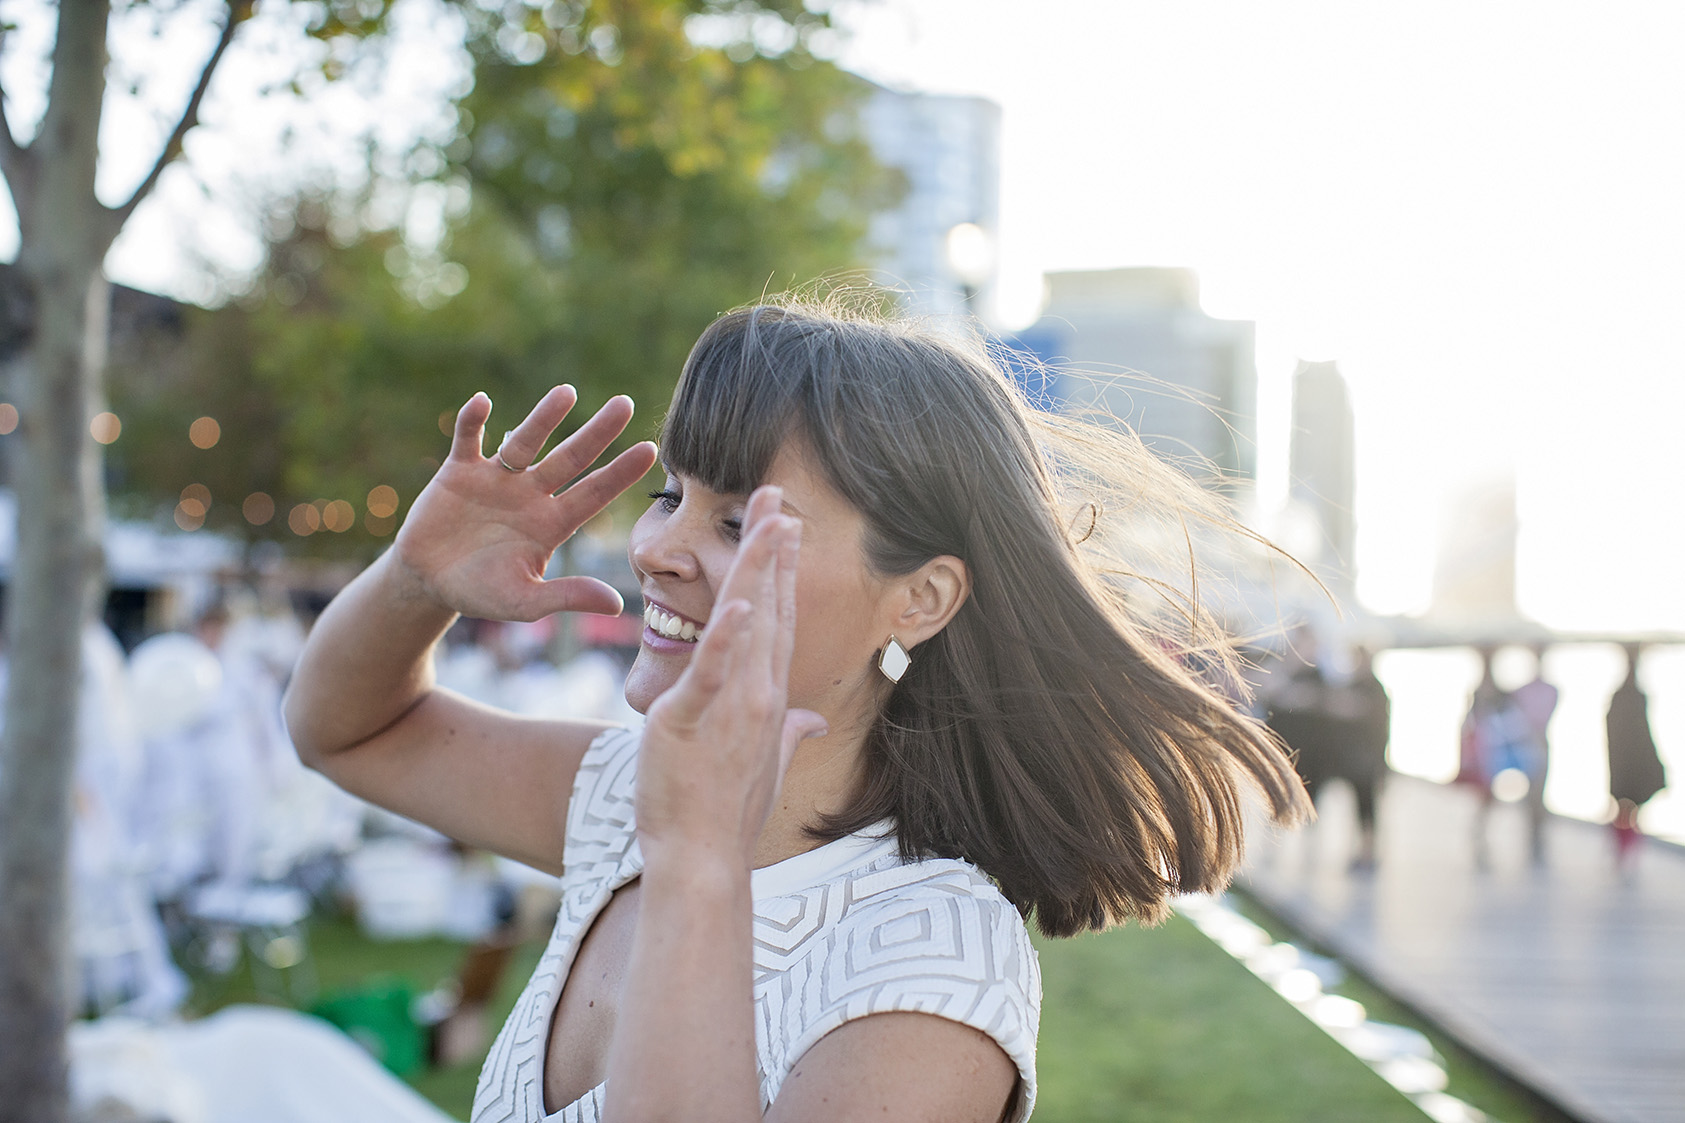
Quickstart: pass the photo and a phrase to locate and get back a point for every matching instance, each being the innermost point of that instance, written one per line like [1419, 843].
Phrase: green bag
[377, 1016]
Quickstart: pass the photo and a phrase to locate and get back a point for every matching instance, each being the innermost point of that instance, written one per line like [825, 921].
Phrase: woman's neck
[821, 780]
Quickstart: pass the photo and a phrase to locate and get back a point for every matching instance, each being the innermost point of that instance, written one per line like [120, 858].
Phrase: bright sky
[1474, 208]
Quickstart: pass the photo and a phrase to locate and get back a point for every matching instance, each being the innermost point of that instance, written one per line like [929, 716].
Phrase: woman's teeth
[666, 624]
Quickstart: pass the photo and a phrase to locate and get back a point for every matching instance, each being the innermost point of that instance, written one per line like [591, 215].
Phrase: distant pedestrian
[1498, 756]
[1337, 731]
[1360, 721]
[1536, 702]
[1635, 770]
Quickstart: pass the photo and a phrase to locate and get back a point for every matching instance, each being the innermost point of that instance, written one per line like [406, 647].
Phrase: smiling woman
[903, 692]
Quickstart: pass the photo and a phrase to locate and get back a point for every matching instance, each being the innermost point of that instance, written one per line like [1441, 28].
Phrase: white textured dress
[842, 931]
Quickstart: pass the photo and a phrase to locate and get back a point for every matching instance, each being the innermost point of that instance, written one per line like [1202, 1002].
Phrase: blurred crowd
[199, 841]
[1326, 703]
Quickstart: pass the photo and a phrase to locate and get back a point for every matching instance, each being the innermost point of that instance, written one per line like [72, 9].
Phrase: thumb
[799, 725]
[571, 594]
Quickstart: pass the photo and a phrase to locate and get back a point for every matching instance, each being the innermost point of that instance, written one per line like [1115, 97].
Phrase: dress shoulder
[600, 823]
[931, 937]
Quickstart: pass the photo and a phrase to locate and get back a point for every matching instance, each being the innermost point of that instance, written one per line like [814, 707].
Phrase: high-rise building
[1135, 344]
[949, 150]
[1321, 465]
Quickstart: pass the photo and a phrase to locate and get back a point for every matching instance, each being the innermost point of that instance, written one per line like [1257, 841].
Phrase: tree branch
[15, 163]
[238, 12]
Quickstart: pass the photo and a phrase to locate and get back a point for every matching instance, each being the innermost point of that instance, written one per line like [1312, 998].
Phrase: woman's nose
[661, 546]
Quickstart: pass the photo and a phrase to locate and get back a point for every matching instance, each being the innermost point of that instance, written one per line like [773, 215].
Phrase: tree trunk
[56, 470]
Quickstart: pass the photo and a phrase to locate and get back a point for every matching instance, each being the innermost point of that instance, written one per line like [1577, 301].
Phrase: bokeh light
[383, 501]
[8, 417]
[338, 516]
[204, 433]
[378, 526]
[200, 494]
[190, 514]
[258, 508]
[304, 520]
[447, 423]
[105, 427]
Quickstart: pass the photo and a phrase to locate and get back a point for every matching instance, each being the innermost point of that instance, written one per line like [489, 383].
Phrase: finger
[799, 725]
[599, 489]
[755, 556]
[520, 446]
[764, 631]
[711, 664]
[764, 503]
[470, 427]
[569, 594]
[763, 515]
[581, 449]
[784, 642]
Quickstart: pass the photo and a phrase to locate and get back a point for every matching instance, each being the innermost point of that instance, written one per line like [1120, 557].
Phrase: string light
[105, 427]
[8, 417]
[258, 508]
[204, 433]
[190, 514]
[383, 501]
[338, 516]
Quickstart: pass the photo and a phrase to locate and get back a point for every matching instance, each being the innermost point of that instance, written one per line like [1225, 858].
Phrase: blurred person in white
[227, 799]
[300, 815]
[799, 890]
[120, 951]
[205, 762]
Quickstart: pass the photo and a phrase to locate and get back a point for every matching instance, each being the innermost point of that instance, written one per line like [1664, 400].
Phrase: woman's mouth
[670, 625]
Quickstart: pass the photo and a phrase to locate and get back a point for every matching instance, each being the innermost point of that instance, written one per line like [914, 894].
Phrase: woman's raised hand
[717, 743]
[478, 537]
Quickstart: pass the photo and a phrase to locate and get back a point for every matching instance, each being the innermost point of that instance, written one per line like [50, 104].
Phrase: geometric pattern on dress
[878, 935]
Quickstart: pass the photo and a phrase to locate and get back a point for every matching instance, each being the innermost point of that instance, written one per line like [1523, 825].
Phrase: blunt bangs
[734, 407]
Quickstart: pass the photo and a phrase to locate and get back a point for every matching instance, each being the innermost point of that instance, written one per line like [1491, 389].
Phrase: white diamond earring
[894, 660]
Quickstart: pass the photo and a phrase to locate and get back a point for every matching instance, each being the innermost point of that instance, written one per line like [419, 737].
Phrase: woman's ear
[932, 594]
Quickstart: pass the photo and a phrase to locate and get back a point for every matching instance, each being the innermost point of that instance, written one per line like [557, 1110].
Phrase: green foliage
[614, 186]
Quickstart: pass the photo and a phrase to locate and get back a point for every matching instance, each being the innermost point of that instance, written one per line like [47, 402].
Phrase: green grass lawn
[1471, 1079]
[1137, 1024]
[1161, 1024]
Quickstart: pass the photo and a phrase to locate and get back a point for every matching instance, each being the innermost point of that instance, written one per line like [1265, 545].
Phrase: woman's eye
[667, 499]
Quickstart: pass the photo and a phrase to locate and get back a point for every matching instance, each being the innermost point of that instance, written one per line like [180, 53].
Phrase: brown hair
[1052, 733]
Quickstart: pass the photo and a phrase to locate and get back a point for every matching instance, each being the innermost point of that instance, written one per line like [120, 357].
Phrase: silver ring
[498, 455]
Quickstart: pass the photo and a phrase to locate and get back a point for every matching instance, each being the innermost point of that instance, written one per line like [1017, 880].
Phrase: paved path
[1569, 978]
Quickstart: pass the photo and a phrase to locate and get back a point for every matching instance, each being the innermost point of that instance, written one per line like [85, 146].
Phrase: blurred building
[949, 150]
[1322, 468]
[1135, 344]
[1474, 575]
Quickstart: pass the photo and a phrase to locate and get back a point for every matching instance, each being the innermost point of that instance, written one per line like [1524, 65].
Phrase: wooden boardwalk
[1569, 978]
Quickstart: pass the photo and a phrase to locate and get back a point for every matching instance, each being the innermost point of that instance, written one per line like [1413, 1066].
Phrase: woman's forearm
[684, 1039]
[367, 661]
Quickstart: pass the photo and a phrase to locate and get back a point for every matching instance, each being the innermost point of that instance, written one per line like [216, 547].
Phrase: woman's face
[682, 548]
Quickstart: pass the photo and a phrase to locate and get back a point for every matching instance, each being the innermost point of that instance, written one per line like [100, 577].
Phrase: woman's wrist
[697, 871]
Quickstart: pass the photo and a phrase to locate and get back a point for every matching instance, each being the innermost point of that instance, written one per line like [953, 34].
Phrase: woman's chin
[651, 676]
